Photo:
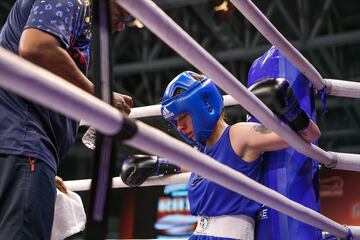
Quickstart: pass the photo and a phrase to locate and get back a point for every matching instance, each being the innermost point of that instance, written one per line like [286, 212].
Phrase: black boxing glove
[278, 96]
[137, 168]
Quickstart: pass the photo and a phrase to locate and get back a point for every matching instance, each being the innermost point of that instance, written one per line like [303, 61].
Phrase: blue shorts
[27, 198]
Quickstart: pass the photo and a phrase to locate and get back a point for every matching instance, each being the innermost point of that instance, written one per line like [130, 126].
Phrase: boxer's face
[184, 124]
[118, 16]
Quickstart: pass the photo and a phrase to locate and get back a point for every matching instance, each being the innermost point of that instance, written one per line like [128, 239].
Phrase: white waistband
[230, 226]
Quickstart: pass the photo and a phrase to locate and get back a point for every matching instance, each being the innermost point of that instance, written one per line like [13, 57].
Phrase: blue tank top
[26, 128]
[210, 199]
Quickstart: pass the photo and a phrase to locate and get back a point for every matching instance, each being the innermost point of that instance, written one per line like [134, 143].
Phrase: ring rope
[84, 184]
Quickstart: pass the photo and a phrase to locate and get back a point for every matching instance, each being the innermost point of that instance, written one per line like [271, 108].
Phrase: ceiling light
[222, 7]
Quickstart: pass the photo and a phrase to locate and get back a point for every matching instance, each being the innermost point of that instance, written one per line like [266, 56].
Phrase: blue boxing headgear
[200, 98]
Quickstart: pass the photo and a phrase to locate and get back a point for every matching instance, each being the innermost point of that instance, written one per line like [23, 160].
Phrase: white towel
[69, 216]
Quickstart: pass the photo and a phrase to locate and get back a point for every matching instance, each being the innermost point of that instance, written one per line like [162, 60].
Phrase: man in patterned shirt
[54, 34]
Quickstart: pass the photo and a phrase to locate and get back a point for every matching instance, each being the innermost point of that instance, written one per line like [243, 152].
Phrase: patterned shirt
[26, 128]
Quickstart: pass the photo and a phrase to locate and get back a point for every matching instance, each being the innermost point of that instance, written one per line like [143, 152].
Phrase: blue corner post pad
[322, 94]
[349, 235]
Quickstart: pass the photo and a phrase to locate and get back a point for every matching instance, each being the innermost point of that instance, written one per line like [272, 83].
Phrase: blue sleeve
[60, 18]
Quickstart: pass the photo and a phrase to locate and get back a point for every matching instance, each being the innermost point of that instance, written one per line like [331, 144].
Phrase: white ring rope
[84, 184]
[352, 161]
[153, 17]
[154, 110]
[343, 88]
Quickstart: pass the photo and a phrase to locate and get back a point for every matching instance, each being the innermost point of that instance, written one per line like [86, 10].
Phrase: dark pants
[27, 198]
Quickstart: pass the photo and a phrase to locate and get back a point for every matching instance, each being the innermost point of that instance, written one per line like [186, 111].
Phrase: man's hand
[122, 102]
[60, 185]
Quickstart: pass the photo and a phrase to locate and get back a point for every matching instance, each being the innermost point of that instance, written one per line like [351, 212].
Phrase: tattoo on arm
[261, 129]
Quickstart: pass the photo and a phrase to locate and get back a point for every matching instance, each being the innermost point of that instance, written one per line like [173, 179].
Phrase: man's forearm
[45, 50]
[59, 62]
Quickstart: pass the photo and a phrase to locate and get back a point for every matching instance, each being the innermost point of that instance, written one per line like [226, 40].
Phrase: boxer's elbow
[317, 135]
[316, 131]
